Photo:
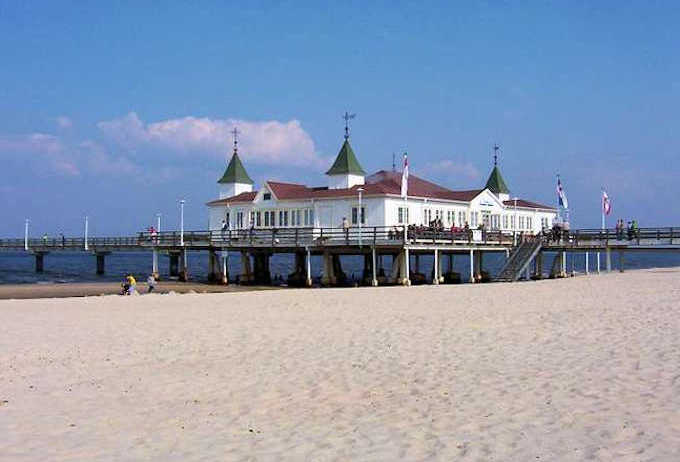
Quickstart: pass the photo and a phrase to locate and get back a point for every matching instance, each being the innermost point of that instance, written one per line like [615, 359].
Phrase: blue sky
[116, 110]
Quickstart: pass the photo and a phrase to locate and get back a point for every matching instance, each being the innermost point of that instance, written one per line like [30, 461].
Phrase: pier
[525, 254]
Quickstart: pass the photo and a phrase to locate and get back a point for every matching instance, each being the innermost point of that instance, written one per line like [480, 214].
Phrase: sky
[117, 110]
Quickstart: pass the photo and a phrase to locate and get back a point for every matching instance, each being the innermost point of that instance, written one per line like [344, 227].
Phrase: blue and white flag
[561, 196]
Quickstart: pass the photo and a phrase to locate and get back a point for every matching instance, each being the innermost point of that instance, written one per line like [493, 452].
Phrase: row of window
[460, 218]
[272, 218]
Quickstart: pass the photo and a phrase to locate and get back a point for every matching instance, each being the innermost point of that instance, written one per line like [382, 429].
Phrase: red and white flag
[404, 178]
[606, 203]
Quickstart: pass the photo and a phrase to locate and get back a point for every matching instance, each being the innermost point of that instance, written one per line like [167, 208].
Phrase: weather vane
[495, 154]
[235, 133]
[347, 118]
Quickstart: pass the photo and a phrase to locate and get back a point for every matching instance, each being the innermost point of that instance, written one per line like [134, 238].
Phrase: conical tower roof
[235, 172]
[495, 183]
[346, 162]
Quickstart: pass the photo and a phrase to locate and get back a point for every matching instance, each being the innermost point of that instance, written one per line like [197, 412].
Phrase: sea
[62, 268]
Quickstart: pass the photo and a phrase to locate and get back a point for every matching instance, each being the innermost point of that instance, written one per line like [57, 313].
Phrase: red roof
[527, 204]
[381, 183]
[243, 197]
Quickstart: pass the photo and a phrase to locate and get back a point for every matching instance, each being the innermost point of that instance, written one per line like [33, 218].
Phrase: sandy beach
[84, 289]
[578, 369]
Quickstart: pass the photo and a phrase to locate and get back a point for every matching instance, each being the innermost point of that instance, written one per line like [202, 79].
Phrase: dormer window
[267, 196]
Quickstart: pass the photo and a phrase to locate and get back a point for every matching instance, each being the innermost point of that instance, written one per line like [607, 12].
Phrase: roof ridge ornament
[495, 154]
[347, 117]
[234, 134]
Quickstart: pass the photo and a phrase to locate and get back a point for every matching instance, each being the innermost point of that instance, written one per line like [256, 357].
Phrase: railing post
[296, 237]
[375, 236]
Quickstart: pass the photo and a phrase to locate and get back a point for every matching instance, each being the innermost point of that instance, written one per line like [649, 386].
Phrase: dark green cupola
[495, 183]
[235, 172]
[346, 163]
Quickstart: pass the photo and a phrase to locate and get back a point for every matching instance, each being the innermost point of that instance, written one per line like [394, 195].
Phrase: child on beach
[151, 283]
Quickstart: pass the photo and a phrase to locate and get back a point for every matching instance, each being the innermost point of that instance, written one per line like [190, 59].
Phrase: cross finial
[495, 154]
[235, 133]
[347, 118]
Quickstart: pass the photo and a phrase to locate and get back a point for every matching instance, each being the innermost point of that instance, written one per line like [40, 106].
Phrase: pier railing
[353, 236]
[608, 237]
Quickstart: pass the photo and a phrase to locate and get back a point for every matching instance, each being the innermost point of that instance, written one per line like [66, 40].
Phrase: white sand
[578, 369]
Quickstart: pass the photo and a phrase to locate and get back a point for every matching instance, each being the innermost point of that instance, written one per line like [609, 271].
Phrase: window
[529, 223]
[402, 215]
[239, 219]
[311, 217]
[267, 196]
[258, 219]
[355, 215]
[544, 222]
[226, 219]
[266, 218]
[521, 222]
[495, 221]
[512, 222]
[252, 219]
[285, 218]
[473, 219]
[461, 218]
[505, 222]
[427, 216]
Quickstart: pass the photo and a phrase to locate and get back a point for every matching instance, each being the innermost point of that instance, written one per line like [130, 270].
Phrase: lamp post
[361, 215]
[86, 225]
[515, 224]
[158, 223]
[181, 222]
[26, 234]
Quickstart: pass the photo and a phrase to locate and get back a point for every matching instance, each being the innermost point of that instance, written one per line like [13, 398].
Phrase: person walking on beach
[132, 284]
[151, 283]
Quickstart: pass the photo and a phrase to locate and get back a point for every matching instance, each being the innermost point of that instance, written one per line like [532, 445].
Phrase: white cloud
[64, 122]
[40, 147]
[450, 167]
[267, 142]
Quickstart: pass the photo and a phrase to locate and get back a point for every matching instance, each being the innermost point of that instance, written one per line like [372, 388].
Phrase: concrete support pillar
[621, 260]
[598, 262]
[154, 264]
[397, 263]
[608, 258]
[183, 266]
[225, 266]
[262, 274]
[407, 268]
[213, 267]
[100, 262]
[472, 266]
[309, 269]
[40, 262]
[563, 270]
[436, 269]
[328, 276]
[246, 272]
[587, 264]
[538, 266]
[174, 264]
[478, 262]
[374, 278]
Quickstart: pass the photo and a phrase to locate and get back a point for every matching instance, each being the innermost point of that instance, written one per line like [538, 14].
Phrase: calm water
[16, 268]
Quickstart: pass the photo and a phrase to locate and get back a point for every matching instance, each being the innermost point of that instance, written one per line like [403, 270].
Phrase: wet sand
[84, 289]
[566, 370]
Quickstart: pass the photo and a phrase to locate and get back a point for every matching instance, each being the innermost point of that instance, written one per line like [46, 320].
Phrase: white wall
[234, 189]
[344, 181]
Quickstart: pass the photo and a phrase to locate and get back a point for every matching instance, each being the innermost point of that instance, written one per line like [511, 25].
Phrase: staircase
[519, 260]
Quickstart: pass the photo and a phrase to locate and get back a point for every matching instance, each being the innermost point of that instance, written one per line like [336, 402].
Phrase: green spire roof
[495, 183]
[346, 162]
[235, 172]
